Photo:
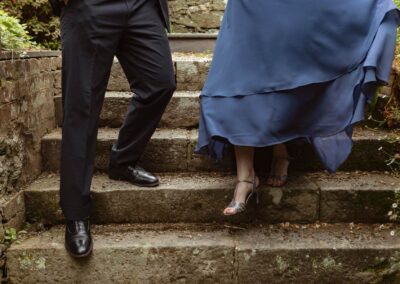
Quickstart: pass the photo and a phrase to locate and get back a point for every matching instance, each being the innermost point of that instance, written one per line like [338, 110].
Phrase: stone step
[171, 150]
[340, 253]
[182, 112]
[191, 71]
[196, 198]
[192, 42]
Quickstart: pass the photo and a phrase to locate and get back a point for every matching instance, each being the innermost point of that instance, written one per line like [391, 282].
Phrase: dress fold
[273, 80]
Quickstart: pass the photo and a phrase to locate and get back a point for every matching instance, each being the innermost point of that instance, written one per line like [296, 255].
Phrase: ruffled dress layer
[288, 69]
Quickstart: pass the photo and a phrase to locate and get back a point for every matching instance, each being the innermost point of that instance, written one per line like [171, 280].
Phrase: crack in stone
[319, 201]
[235, 263]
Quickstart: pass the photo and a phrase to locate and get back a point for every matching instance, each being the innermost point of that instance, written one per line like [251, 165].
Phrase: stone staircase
[318, 229]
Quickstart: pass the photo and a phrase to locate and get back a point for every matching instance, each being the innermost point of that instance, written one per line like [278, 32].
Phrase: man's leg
[89, 40]
[145, 56]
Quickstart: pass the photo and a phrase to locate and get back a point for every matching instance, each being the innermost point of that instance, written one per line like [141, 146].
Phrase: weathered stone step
[191, 71]
[353, 197]
[182, 111]
[172, 150]
[192, 42]
[317, 253]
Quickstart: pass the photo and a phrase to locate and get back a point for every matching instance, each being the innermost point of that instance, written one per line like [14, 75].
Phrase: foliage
[37, 16]
[10, 236]
[391, 111]
[13, 34]
[397, 2]
[392, 108]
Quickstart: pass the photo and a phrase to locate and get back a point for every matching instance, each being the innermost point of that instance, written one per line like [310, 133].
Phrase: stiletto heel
[239, 207]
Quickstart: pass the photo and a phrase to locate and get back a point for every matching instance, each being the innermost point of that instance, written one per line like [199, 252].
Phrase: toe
[228, 211]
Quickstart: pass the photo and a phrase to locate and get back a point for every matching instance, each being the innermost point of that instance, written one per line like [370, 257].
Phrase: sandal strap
[273, 175]
[246, 181]
[282, 178]
[237, 207]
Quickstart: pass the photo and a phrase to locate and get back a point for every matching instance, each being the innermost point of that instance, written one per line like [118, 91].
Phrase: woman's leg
[245, 172]
[280, 165]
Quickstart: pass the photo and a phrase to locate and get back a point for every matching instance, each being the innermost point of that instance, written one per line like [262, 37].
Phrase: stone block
[190, 198]
[26, 114]
[17, 222]
[182, 111]
[213, 254]
[172, 150]
[329, 254]
[6, 70]
[57, 80]
[11, 205]
[118, 81]
[7, 92]
[191, 73]
[357, 197]
[167, 150]
[196, 16]
[136, 256]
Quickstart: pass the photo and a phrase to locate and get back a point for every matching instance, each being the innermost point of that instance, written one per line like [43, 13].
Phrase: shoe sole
[80, 255]
[136, 184]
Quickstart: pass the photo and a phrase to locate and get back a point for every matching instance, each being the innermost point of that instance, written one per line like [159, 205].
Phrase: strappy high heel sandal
[282, 178]
[239, 207]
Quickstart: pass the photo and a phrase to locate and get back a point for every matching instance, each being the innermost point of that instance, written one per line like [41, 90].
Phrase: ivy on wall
[37, 17]
[13, 34]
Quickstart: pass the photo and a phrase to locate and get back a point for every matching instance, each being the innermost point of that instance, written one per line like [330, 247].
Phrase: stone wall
[26, 114]
[196, 15]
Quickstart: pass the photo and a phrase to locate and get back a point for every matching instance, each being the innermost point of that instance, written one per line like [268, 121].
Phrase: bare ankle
[280, 150]
[246, 175]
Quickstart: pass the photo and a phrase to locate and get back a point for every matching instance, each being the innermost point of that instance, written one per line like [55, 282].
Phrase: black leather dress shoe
[78, 240]
[135, 175]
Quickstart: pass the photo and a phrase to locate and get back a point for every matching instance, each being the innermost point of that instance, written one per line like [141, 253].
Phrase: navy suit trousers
[93, 32]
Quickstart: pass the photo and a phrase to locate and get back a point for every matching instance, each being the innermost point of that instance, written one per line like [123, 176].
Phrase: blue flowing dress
[290, 69]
